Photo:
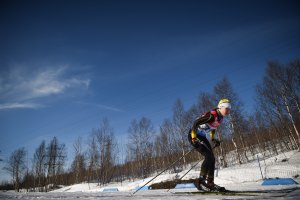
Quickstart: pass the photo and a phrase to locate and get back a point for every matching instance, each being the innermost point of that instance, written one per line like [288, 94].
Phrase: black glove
[216, 142]
[195, 142]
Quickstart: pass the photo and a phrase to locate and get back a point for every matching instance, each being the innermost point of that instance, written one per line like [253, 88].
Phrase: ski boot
[213, 187]
[200, 182]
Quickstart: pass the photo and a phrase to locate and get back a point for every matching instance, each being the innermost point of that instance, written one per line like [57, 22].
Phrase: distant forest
[270, 129]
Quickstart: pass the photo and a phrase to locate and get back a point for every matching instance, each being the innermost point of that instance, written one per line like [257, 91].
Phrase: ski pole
[187, 172]
[164, 170]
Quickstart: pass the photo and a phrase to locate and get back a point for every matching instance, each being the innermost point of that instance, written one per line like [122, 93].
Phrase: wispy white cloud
[19, 105]
[101, 106]
[108, 108]
[25, 89]
[48, 83]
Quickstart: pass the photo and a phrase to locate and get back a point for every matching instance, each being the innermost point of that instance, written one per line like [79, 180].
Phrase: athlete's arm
[212, 134]
[199, 121]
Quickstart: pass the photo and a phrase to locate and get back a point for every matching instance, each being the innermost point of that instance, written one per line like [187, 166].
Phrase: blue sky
[65, 65]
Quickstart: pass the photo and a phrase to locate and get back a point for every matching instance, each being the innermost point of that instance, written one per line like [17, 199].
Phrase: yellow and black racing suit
[204, 129]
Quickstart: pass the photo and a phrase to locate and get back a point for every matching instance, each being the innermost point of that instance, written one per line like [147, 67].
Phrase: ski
[271, 193]
[226, 193]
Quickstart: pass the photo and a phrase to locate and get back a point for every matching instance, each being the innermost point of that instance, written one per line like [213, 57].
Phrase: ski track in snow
[142, 195]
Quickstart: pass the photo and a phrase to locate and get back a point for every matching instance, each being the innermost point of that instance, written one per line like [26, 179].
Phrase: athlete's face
[224, 111]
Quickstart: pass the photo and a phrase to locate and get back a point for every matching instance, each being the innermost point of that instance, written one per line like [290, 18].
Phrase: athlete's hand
[195, 141]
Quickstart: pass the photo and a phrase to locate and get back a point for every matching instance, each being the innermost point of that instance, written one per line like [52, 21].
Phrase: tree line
[271, 128]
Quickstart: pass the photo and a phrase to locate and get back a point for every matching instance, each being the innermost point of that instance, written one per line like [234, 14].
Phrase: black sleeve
[202, 120]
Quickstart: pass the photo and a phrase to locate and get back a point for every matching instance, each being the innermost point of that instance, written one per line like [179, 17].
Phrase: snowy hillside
[235, 178]
[239, 178]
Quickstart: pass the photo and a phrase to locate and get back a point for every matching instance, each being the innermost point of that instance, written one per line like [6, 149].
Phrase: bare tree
[140, 146]
[93, 158]
[16, 166]
[56, 156]
[165, 145]
[278, 98]
[206, 102]
[39, 165]
[107, 151]
[78, 165]
[235, 123]
[181, 126]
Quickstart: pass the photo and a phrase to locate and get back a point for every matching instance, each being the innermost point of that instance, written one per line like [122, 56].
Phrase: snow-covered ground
[238, 178]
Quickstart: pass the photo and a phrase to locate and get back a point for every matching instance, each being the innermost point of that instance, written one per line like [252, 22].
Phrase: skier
[202, 137]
